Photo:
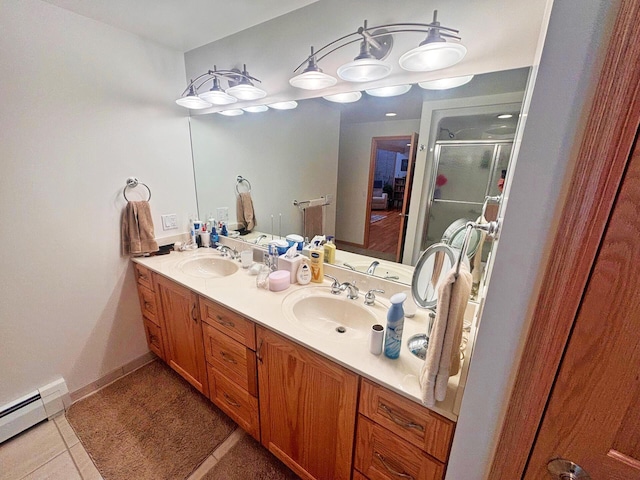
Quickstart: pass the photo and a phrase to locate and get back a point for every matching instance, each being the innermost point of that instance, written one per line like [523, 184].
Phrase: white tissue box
[290, 265]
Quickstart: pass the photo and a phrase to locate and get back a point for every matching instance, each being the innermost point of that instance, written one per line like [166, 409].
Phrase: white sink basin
[398, 272]
[208, 266]
[335, 317]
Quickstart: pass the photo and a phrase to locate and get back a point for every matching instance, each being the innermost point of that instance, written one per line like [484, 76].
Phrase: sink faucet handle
[335, 286]
[370, 296]
[352, 290]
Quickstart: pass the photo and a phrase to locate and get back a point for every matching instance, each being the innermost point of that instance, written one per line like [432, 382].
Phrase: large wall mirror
[359, 158]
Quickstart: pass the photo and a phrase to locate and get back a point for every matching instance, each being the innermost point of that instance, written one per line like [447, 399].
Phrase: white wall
[300, 163]
[353, 172]
[84, 106]
[578, 31]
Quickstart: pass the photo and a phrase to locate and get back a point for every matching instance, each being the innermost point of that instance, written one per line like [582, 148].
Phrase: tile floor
[52, 451]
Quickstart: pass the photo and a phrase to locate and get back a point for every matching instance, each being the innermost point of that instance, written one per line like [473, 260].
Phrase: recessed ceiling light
[391, 114]
[505, 115]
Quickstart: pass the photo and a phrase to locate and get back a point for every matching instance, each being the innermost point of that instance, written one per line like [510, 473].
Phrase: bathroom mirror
[432, 266]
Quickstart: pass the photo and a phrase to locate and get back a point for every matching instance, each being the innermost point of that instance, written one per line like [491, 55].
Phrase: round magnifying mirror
[454, 237]
[433, 264]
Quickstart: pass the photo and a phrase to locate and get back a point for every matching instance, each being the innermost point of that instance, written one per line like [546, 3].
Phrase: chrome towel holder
[239, 180]
[133, 182]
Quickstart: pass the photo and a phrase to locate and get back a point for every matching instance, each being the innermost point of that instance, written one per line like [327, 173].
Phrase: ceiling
[181, 24]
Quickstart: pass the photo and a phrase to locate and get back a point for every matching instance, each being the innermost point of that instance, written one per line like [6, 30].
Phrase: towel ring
[133, 182]
[240, 179]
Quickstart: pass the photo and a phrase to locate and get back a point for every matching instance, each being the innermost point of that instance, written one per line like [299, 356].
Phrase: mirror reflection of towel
[313, 221]
[244, 211]
[137, 232]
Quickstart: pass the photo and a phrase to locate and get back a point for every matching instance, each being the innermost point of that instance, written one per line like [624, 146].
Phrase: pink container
[279, 280]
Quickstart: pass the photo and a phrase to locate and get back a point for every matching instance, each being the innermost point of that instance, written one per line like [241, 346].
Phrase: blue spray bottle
[395, 324]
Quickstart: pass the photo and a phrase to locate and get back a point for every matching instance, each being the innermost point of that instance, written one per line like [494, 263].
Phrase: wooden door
[404, 212]
[307, 408]
[593, 417]
[181, 325]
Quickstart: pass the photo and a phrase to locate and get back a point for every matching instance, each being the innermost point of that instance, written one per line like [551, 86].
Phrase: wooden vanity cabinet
[307, 408]
[180, 323]
[229, 346]
[149, 309]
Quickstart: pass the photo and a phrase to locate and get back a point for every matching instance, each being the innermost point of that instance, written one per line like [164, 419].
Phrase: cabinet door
[182, 330]
[307, 408]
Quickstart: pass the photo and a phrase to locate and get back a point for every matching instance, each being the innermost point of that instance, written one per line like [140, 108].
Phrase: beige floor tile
[202, 470]
[30, 450]
[60, 468]
[229, 443]
[68, 435]
[87, 469]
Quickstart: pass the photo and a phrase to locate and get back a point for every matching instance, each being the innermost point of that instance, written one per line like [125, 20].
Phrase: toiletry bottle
[224, 230]
[303, 276]
[395, 324]
[214, 234]
[316, 257]
[330, 251]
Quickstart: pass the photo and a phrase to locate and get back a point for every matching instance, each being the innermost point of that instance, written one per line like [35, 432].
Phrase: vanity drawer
[148, 304]
[358, 476]
[414, 423]
[381, 455]
[154, 337]
[228, 322]
[143, 276]
[231, 358]
[235, 402]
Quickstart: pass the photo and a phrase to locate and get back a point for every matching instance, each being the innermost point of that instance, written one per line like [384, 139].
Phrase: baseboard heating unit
[46, 402]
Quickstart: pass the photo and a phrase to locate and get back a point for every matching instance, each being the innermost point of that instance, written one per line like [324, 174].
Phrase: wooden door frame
[606, 144]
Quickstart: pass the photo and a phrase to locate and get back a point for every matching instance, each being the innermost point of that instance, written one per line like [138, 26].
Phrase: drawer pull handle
[259, 350]
[230, 400]
[397, 419]
[148, 306]
[143, 276]
[224, 323]
[193, 313]
[391, 470]
[228, 358]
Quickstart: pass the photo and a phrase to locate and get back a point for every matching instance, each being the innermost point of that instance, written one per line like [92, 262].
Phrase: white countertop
[240, 293]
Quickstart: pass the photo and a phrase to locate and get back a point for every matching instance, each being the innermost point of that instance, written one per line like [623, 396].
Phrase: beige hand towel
[138, 236]
[313, 219]
[477, 258]
[244, 211]
[443, 351]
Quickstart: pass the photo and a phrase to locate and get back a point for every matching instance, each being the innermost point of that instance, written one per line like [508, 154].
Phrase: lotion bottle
[330, 251]
[316, 257]
[303, 276]
[395, 325]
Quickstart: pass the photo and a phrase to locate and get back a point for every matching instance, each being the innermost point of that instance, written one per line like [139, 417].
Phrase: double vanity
[293, 368]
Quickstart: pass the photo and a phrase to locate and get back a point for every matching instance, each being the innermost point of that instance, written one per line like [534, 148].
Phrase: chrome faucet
[335, 286]
[260, 237]
[352, 290]
[372, 267]
[370, 297]
[225, 250]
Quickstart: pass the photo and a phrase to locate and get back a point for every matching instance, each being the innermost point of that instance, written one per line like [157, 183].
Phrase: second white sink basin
[336, 317]
[208, 266]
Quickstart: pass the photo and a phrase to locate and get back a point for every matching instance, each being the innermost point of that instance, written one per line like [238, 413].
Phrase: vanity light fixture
[232, 113]
[505, 115]
[283, 105]
[348, 97]
[445, 83]
[434, 53]
[392, 91]
[240, 87]
[256, 109]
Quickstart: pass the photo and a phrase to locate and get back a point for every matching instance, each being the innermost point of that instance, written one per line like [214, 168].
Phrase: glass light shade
[313, 80]
[432, 56]
[232, 113]
[348, 97]
[193, 102]
[284, 105]
[218, 97]
[256, 109]
[245, 91]
[392, 91]
[364, 70]
[445, 83]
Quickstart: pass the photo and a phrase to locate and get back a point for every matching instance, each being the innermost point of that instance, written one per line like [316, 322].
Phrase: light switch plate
[222, 214]
[169, 221]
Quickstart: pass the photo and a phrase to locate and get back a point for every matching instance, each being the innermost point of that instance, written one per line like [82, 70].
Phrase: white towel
[443, 351]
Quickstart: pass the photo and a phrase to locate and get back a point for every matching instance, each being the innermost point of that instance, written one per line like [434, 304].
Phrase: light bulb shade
[231, 113]
[192, 101]
[348, 97]
[364, 70]
[284, 105]
[244, 91]
[218, 97]
[445, 83]
[256, 109]
[391, 91]
[313, 80]
[432, 56]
